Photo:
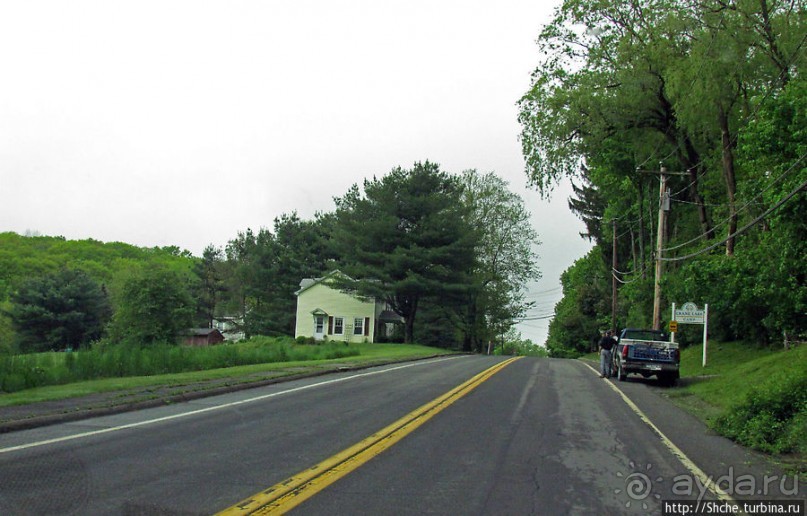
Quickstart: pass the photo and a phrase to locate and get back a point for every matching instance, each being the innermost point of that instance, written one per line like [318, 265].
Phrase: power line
[743, 207]
[536, 318]
[741, 230]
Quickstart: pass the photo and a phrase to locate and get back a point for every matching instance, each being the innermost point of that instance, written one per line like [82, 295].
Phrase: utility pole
[663, 208]
[613, 279]
[661, 237]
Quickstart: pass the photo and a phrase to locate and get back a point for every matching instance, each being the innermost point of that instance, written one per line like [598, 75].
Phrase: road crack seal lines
[693, 468]
[639, 485]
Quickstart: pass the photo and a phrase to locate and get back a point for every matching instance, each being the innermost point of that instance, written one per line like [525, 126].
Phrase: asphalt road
[540, 436]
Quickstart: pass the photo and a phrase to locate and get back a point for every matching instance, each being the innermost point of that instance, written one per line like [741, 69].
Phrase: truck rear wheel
[620, 373]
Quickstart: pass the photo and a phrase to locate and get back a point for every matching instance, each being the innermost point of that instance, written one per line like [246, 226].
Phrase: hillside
[26, 259]
[755, 396]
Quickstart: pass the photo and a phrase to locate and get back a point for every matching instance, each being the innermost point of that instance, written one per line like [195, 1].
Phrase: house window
[358, 326]
[319, 325]
[338, 325]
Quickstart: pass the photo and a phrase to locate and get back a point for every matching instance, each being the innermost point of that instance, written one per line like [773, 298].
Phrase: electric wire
[741, 230]
[742, 208]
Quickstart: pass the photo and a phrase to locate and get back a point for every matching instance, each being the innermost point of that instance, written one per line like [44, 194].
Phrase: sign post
[705, 330]
[691, 314]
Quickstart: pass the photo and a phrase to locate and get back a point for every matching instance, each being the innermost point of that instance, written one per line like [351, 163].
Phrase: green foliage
[406, 239]
[513, 344]
[19, 372]
[437, 326]
[154, 306]
[65, 309]
[581, 314]
[115, 361]
[749, 393]
[34, 259]
[716, 93]
[23, 258]
[505, 259]
[772, 418]
[210, 286]
[7, 336]
[263, 271]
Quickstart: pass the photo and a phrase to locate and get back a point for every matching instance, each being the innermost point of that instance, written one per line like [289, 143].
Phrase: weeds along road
[531, 436]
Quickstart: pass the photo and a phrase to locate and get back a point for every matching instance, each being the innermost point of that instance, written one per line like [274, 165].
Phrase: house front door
[319, 327]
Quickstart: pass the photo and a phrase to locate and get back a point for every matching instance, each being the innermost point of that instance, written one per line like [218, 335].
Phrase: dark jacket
[607, 343]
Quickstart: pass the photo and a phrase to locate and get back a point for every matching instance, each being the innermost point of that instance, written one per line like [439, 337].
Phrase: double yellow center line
[293, 491]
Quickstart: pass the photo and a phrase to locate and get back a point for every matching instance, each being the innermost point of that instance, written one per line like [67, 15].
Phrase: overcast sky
[184, 122]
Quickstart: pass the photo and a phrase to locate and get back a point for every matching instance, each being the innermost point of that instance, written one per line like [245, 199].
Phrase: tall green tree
[405, 237]
[65, 309]
[582, 312]
[604, 79]
[211, 284]
[154, 306]
[626, 87]
[505, 258]
[266, 269]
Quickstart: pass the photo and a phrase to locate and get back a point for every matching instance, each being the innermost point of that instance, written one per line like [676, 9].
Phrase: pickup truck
[646, 352]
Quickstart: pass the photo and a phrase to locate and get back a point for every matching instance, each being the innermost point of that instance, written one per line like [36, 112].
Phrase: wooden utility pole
[663, 208]
[661, 237]
[613, 279]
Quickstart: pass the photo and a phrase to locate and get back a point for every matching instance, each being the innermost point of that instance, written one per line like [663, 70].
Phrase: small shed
[202, 337]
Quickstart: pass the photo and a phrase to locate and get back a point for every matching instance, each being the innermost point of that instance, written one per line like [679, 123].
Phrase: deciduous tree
[505, 258]
[154, 306]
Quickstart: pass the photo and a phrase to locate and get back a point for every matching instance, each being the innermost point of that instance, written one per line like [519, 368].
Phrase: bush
[13, 382]
[771, 419]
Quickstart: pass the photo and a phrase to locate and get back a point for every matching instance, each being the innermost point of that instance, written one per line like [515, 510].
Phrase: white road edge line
[705, 479]
[211, 409]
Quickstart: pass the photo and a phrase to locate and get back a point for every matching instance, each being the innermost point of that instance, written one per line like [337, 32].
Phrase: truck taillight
[624, 351]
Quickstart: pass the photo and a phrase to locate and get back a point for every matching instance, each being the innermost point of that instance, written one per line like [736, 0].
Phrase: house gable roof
[307, 283]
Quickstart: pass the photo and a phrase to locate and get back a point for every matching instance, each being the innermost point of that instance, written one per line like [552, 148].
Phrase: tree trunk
[692, 163]
[688, 156]
[471, 340]
[769, 35]
[409, 329]
[641, 230]
[728, 175]
[409, 321]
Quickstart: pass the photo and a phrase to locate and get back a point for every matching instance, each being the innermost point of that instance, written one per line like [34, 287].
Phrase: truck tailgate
[658, 352]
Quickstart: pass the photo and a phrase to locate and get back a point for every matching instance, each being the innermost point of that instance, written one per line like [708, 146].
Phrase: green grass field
[367, 354]
[734, 370]
[755, 396]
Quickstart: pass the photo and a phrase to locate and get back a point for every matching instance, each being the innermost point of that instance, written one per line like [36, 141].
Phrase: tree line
[711, 92]
[452, 252]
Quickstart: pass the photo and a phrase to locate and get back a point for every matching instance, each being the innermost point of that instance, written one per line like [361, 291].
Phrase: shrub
[771, 419]
[13, 382]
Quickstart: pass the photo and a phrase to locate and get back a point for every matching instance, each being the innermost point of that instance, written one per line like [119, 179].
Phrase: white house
[324, 311]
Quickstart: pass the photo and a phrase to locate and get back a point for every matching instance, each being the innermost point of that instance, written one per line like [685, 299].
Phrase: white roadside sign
[689, 313]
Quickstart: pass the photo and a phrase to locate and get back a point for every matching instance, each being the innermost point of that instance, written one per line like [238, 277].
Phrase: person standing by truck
[606, 346]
